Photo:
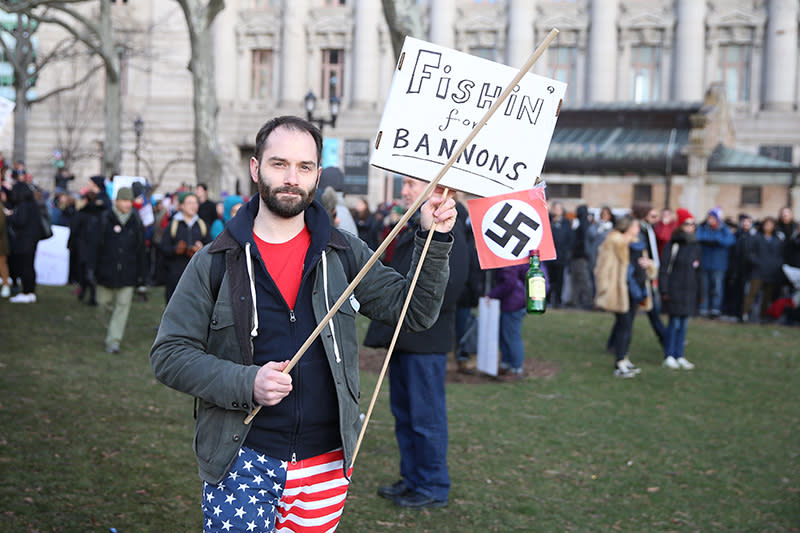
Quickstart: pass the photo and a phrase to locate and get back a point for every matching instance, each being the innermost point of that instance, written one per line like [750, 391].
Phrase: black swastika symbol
[512, 229]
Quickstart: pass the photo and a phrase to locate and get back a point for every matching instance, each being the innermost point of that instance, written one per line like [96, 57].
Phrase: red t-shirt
[284, 262]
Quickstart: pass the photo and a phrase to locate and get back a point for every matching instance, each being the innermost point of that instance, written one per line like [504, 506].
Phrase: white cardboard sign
[438, 95]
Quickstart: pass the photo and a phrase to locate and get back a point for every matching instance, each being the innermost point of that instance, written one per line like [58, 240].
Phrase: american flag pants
[264, 494]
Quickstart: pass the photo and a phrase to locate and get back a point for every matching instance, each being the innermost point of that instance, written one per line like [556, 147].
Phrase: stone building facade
[635, 54]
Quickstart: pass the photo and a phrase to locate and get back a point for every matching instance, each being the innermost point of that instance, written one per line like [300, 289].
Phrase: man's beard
[285, 208]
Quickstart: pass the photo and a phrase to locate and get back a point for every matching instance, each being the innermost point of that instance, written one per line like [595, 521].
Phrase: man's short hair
[290, 122]
[203, 186]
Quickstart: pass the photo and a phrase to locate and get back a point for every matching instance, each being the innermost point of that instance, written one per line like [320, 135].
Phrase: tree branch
[77, 83]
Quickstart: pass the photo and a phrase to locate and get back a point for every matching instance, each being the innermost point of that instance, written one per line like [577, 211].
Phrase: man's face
[189, 206]
[713, 222]
[747, 224]
[124, 206]
[288, 172]
[411, 190]
[651, 217]
[201, 193]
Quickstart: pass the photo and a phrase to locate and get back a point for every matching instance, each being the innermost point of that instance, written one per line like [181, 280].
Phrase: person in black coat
[563, 240]
[117, 258]
[739, 267]
[766, 256]
[417, 372]
[82, 236]
[25, 225]
[185, 234]
[679, 282]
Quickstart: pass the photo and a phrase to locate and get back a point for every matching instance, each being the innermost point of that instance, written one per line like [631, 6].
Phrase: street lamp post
[138, 128]
[311, 103]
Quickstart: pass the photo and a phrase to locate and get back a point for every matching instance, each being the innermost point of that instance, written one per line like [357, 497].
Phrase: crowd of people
[238, 308]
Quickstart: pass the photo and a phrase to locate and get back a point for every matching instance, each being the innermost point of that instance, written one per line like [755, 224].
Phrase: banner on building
[508, 226]
[356, 166]
[6, 108]
[438, 95]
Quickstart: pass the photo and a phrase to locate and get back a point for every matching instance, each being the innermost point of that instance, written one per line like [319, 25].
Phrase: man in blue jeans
[417, 376]
[715, 238]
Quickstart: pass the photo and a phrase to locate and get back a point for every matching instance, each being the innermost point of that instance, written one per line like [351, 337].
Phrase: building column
[520, 45]
[442, 18]
[293, 37]
[602, 52]
[688, 72]
[365, 66]
[781, 55]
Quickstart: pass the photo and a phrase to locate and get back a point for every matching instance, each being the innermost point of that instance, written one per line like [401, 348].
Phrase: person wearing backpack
[680, 284]
[227, 340]
[119, 264]
[185, 234]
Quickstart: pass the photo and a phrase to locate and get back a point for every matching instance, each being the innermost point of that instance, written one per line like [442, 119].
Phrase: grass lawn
[90, 441]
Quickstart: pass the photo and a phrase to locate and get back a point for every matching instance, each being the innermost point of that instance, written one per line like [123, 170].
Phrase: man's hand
[438, 210]
[271, 384]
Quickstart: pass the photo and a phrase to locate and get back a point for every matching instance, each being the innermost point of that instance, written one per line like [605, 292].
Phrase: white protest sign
[438, 95]
[125, 181]
[51, 262]
[6, 108]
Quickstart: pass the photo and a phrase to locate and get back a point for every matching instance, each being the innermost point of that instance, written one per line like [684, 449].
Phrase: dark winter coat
[25, 222]
[174, 262]
[679, 279]
[563, 239]
[440, 338]
[791, 254]
[82, 234]
[119, 254]
[766, 256]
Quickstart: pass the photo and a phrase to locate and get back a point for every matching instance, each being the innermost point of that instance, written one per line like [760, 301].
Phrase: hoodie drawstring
[254, 332]
[327, 305]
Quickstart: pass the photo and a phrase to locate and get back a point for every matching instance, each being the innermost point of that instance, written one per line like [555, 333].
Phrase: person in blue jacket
[230, 205]
[715, 238]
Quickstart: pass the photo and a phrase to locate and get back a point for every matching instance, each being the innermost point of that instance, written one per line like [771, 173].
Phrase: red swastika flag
[507, 227]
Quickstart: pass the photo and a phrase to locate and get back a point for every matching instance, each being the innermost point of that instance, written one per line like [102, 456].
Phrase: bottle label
[537, 289]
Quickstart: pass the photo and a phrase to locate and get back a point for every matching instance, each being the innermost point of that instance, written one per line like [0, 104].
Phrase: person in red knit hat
[679, 282]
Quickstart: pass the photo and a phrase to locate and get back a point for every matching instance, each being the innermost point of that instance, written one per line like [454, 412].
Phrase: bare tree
[98, 36]
[200, 15]
[20, 52]
[403, 18]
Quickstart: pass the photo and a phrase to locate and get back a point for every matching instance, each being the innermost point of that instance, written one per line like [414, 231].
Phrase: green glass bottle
[535, 286]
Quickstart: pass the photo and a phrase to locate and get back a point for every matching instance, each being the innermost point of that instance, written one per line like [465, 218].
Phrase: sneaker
[631, 367]
[623, 372]
[112, 348]
[684, 363]
[23, 298]
[671, 363]
[5, 292]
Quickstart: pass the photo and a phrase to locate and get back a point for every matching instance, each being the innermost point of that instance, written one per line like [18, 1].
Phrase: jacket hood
[228, 204]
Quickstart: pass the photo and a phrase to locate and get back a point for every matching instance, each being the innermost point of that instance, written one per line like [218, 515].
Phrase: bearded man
[226, 339]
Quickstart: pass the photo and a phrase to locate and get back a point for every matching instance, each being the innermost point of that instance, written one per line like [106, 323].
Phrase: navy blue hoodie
[306, 422]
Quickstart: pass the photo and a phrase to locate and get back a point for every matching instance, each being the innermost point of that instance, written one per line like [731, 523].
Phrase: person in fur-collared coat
[623, 287]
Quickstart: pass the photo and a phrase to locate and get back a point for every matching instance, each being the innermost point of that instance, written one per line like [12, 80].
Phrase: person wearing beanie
[679, 282]
[119, 263]
[715, 239]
